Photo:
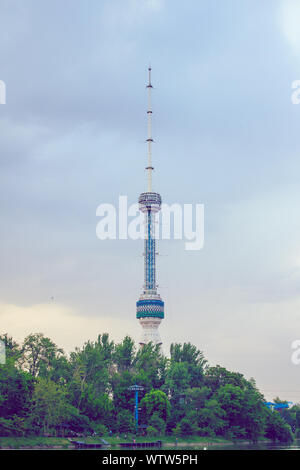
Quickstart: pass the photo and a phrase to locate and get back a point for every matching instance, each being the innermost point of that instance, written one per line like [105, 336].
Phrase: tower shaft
[150, 253]
[150, 307]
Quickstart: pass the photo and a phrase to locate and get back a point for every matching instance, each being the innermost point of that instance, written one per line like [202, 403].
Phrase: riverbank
[35, 442]
[38, 443]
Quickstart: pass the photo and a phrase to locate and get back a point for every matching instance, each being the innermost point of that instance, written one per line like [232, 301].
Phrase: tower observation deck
[150, 307]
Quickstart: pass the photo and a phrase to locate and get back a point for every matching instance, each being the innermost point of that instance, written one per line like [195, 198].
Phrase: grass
[32, 441]
[50, 442]
[113, 440]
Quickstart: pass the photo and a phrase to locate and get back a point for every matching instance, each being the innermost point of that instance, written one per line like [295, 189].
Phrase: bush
[77, 422]
[176, 431]
[152, 432]
[186, 428]
[157, 423]
[277, 429]
[99, 429]
[125, 422]
[206, 431]
[15, 426]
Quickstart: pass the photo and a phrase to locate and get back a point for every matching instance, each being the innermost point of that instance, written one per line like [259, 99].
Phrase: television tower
[150, 307]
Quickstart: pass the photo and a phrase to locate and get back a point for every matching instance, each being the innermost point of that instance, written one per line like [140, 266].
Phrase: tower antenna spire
[149, 168]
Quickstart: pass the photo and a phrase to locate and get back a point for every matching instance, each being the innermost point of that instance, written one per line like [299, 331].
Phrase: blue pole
[136, 409]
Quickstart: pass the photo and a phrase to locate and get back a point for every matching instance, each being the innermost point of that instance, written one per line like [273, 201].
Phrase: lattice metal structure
[150, 307]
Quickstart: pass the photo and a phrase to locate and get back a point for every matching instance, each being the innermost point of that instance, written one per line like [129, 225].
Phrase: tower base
[150, 330]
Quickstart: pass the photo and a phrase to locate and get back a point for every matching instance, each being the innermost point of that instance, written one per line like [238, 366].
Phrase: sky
[72, 136]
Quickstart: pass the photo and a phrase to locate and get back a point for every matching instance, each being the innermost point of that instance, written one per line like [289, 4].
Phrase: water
[263, 446]
[260, 446]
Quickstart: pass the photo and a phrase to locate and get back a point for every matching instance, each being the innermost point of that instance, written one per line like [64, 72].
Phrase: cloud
[60, 323]
[147, 4]
[289, 18]
[254, 338]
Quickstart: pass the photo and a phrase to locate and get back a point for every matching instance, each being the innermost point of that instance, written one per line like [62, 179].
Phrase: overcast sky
[72, 136]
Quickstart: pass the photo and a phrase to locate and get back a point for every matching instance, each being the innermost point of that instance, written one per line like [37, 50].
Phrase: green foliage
[76, 421]
[99, 428]
[216, 377]
[123, 398]
[49, 406]
[38, 354]
[178, 379]
[194, 360]
[15, 426]
[96, 407]
[186, 427]
[244, 411]
[297, 418]
[277, 429]
[157, 422]
[210, 417]
[148, 366]
[124, 354]
[125, 422]
[152, 432]
[157, 402]
[16, 388]
[12, 348]
[44, 391]
[196, 397]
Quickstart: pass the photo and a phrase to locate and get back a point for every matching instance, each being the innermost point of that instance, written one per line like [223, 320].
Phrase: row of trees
[42, 390]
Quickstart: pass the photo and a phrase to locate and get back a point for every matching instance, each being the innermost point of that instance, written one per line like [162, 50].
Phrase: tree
[49, 406]
[76, 421]
[298, 418]
[176, 385]
[97, 407]
[152, 431]
[210, 418]
[254, 414]
[12, 348]
[91, 366]
[193, 358]
[124, 355]
[186, 427]
[148, 366]
[123, 398]
[178, 379]
[38, 354]
[216, 377]
[244, 411]
[277, 429]
[125, 422]
[157, 422]
[230, 398]
[15, 426]
[43, 389]
[16, 389]
[157, 402]
[196, 397]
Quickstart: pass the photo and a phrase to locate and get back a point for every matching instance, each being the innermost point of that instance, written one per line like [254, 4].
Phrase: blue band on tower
[150, 308]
